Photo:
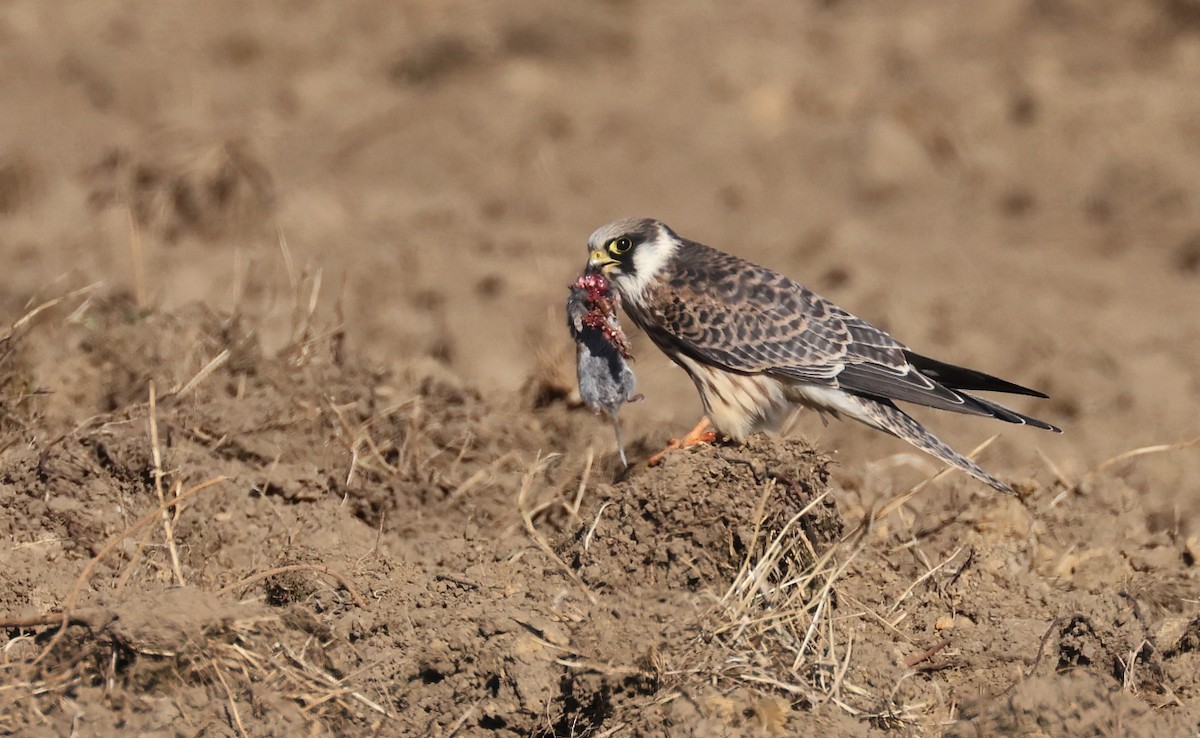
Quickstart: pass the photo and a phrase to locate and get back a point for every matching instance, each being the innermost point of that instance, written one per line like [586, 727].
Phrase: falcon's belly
[739, 405]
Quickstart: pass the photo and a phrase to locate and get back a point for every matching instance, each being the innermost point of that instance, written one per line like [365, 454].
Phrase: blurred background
[1011, 185]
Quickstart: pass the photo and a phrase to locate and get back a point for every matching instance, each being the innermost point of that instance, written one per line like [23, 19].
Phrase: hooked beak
[600, 261]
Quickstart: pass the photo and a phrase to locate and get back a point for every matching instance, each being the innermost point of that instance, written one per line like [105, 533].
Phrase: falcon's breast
[738, 405]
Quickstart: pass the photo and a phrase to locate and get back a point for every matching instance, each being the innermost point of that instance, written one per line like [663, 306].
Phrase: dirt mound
[345, 546]
[690, 522]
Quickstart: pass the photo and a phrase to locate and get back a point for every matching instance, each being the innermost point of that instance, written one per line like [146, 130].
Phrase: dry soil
[289, 443]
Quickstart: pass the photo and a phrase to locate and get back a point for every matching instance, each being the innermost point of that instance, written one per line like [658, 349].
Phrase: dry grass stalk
[931, 571]
[360, 436]
[480, 476]
[227, 657]
[292, 677]
[1054, 468]
[288, 264]
[462, 719]
[91, 617]
[880, 511]
[156, 454]
[29, 316]
[587, 539]
[780, 603]
[1145, 450]
[539, 465]
[573, 510]
[237, 717]
[214, 364]
[127, 574]
[302, 336]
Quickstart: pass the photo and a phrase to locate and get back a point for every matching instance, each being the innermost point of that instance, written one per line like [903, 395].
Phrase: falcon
[759, 346]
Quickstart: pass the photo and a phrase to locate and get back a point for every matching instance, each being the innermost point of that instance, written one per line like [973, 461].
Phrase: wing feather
[962, 378]
[727, 311]
[723, 310]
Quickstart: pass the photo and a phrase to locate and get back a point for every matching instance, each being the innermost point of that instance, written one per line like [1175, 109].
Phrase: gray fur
[605, 380]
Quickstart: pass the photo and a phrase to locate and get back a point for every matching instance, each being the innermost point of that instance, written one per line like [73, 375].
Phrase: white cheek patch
[648, 261]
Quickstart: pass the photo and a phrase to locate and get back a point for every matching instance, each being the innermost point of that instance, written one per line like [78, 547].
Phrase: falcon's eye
[621, 245]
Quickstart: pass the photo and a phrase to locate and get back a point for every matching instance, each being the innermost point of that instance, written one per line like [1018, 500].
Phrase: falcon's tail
[962, 378]
[885, 416]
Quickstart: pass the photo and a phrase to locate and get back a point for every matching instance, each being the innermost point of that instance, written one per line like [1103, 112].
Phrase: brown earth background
[289, 443]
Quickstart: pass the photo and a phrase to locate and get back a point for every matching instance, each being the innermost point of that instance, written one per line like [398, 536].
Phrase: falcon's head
[632, 253]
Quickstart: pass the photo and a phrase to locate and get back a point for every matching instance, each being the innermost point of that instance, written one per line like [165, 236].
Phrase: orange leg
[699, 434]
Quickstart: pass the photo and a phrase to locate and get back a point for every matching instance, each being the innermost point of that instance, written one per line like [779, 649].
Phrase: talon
[656, 459]
[699, 434]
